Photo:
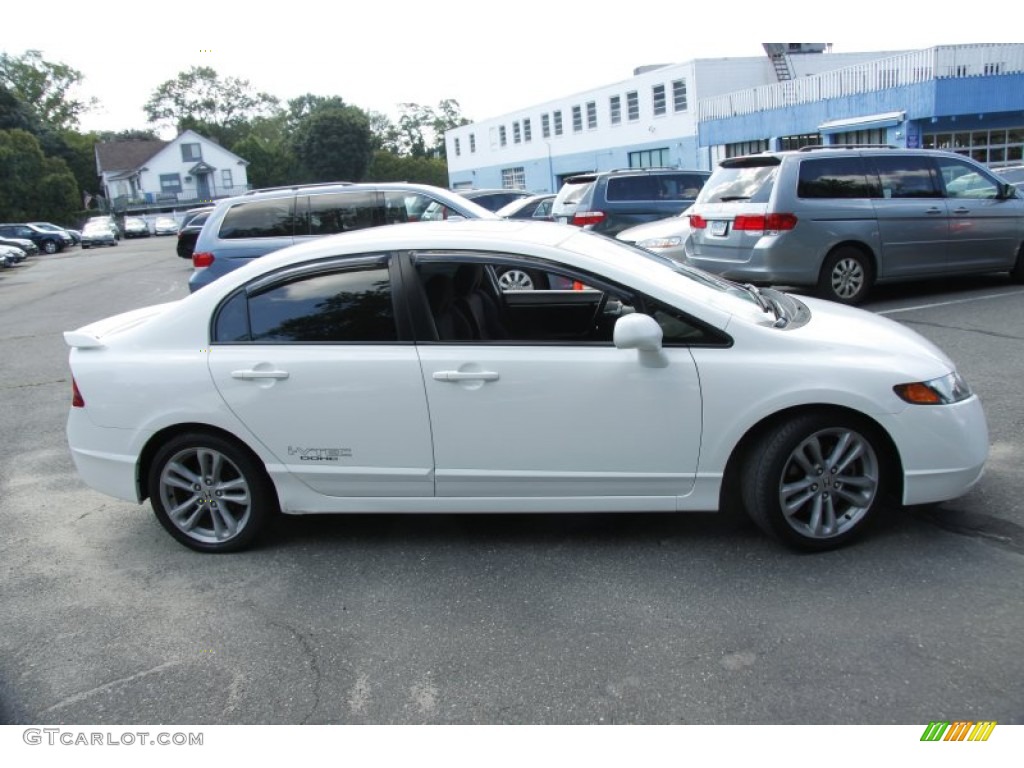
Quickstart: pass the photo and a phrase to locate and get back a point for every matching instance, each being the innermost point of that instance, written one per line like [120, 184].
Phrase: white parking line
[948, 303]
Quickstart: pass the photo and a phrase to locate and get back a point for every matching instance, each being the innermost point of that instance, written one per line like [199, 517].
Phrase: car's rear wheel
[846, 276]
[210, 494]
[1017, 273]
[814, 481]
[49, 246]
[521, 280]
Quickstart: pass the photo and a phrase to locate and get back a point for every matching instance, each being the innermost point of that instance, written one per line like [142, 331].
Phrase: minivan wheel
[814, 482]
[209, 494]
[846, 276]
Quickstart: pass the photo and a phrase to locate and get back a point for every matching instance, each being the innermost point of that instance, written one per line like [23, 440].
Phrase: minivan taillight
[771, 222]
[588, 217]
[77, 401]
[202, 259]
[698, 222]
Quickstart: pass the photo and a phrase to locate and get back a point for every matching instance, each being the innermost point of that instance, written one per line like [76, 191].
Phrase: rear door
[913, 220]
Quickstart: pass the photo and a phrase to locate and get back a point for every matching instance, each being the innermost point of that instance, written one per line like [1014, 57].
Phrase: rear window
[260, 218]
[833, 178]
[740, 183]
[572, 191]
[682, 186]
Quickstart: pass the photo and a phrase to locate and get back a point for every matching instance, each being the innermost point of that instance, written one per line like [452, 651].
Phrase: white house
[189, 170]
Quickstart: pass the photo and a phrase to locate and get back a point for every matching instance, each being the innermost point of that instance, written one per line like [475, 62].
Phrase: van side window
[963, 180]
[833, 178]
[906, 176]
[259, 218]
[330, 213]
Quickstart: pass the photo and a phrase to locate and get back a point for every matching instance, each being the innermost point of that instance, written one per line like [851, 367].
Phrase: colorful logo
[958, 730]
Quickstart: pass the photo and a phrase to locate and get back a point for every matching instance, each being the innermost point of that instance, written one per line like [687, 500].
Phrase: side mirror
[637, 331]
[1007, 192]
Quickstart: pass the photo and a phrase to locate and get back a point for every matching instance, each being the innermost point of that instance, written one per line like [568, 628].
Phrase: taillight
[698, 222]
[772, 222]
[588, 217]
[77, 401]
[202, 259]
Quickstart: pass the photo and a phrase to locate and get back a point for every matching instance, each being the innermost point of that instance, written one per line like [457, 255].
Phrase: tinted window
[260, 218]
[347, 306]
[232, 322]
[833, 177]
[329, 214]
[906, 176]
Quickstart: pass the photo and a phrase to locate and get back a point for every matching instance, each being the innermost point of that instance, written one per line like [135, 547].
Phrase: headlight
[942, 391]
[661, 242]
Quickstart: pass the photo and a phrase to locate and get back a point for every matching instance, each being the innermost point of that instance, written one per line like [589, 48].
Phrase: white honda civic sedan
[384, 371]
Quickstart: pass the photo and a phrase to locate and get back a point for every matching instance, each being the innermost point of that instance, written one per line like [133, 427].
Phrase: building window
[191, 153]
[458, 147]
[527, 130]
[615, 110]
[577, 119]
[545, 125]
[513, 178]
[865, 136]
[170, 183]
[558, 122]
[993, 68]
[679, 95]
[999, 146]
[803, 140]
[226, 180]
[649, 158]
[658, 98]
[517, 137]
[472, 143]
[591, 115]
[502, 136]
[632, 105]
[746, 148]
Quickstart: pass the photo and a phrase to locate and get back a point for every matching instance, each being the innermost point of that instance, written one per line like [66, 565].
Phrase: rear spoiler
[81, 340]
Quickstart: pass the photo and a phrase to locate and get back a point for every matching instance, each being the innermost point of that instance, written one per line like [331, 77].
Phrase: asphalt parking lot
[494, 619]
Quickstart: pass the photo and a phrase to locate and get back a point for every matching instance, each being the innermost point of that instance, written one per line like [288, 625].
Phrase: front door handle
[962, 210]
[465, 376]
[251, 374]
[933, 210]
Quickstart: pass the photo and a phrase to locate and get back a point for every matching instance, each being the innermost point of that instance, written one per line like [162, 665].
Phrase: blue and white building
[965, 98]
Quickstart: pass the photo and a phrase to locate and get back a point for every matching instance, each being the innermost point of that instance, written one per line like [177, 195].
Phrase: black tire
[49, 246]
[846, 276]
[1017, 273]
[209, 493]
[829, 471]
[85, 247]
[515, 279]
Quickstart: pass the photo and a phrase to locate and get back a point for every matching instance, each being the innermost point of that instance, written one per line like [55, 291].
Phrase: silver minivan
[842, 218]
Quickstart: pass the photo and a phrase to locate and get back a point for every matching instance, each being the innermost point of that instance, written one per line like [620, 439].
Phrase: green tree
[200, 99]
[420, 129]
[36, 186]
[46, 88]
[271, 162]
[333, 144]
[387, 166]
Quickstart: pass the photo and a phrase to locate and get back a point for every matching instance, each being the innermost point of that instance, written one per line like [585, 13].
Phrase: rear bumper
[103, 456]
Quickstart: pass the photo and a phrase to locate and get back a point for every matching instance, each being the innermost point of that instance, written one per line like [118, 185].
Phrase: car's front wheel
[814, 481]
[49, 246]
[210, 494]
[846, 276]
[521, 280]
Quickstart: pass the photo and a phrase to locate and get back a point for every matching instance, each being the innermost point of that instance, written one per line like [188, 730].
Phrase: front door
[203, 186]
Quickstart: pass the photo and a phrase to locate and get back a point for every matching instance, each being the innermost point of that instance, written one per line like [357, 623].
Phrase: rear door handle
[465, 376]
[933, 210]
[251, 374]
[962, 210]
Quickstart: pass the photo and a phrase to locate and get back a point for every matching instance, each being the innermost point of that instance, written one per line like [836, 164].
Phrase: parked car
[842, 219]
[23, 244]
[135, 226]
[165, 225]
[563, 207]
[190, 228]
[98, 232]
[612, 201]
[493, 199]
[12, 254]
[535, 207]
[383, 370]
[47, 240]
[664, 236]
[74, 234]
[243, 228]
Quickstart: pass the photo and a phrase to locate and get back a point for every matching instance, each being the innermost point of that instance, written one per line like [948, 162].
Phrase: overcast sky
[376, 55]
